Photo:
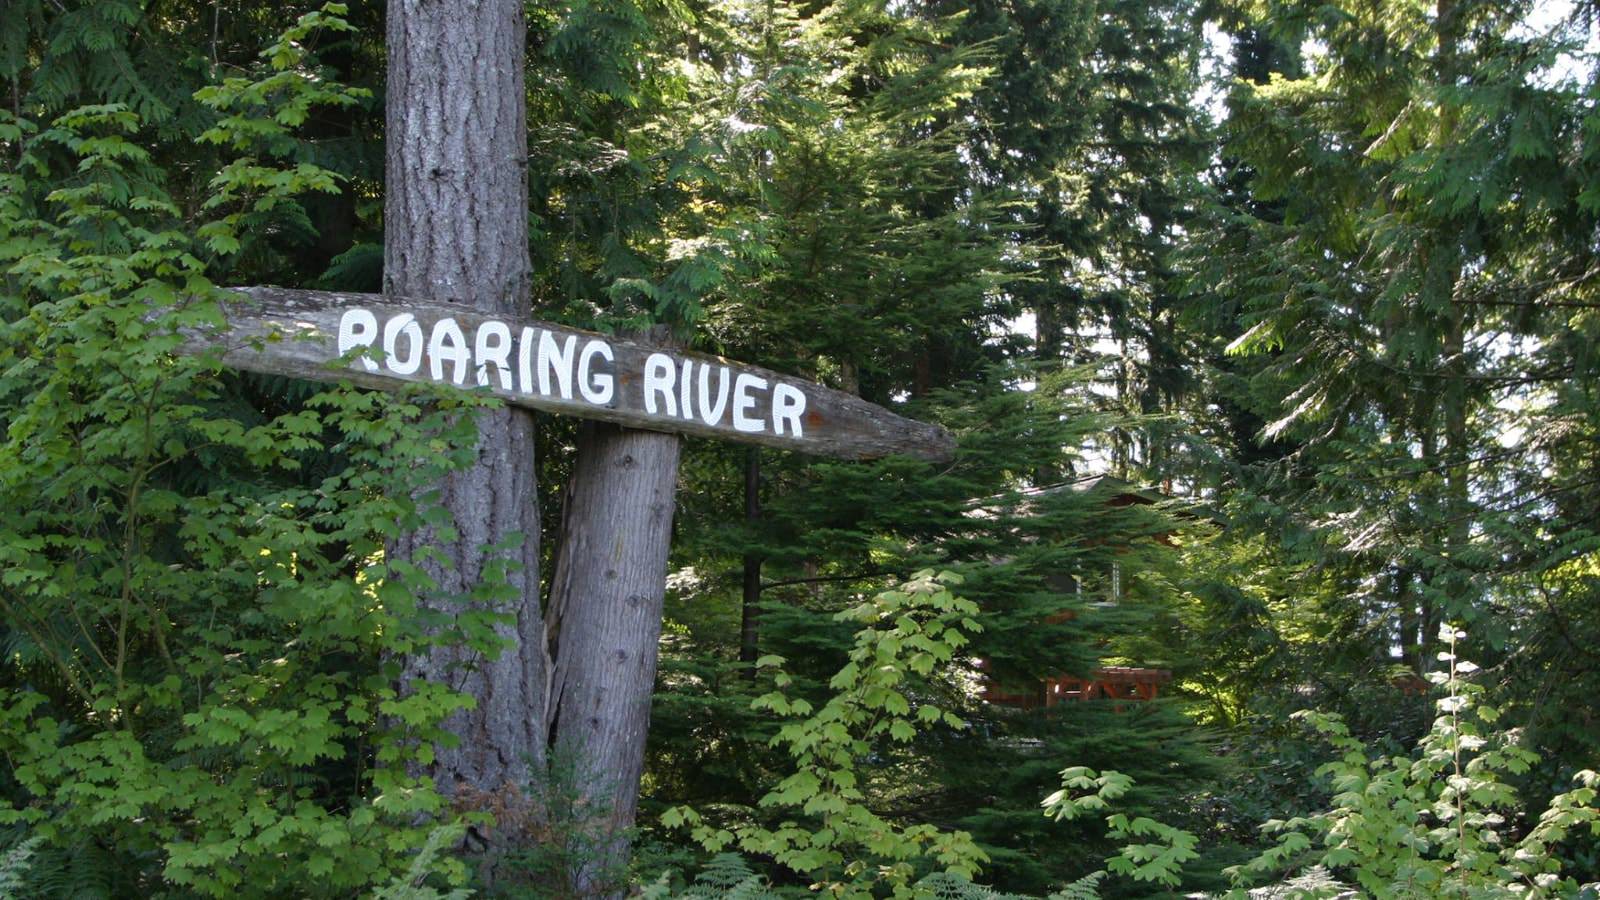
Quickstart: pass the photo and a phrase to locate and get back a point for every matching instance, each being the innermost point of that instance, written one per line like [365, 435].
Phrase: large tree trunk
[455, 216]
[605, 622]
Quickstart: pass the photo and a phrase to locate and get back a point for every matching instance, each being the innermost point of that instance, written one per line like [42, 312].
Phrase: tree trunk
[1430, 584]
[1048, 332]
[750, 607]
[1049, 337]
[605, 622]
[456, 229]
[1456, 449]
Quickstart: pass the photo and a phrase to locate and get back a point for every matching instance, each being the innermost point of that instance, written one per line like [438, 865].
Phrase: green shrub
[198, 694]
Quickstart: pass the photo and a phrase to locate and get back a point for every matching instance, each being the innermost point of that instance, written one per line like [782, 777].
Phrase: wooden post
[605, 603]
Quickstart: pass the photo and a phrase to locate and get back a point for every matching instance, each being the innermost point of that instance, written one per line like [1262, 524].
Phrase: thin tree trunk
[1049, 333]
[605, 621]
[1456, 449]
[455, 216]
[1456, 452]
[1428, 589]
[750, 607]
[1121, 438]
[1411, 640]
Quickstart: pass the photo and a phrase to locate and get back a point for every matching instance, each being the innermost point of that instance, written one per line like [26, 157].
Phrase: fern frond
[14, 864]
[1085, 888]
[728, 877]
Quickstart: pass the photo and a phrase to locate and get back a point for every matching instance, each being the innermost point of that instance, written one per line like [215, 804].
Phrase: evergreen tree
[1408, 272]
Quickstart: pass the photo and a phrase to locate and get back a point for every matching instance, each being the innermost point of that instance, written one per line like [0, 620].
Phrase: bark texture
[605, 620]
[455, 212]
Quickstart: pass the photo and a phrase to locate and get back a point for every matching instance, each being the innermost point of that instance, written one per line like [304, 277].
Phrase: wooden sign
[384, 340]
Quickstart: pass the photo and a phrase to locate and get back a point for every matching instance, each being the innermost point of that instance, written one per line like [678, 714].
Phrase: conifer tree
[1409, 273]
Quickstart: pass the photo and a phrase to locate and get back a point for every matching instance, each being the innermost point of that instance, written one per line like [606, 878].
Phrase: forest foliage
[1319, 279]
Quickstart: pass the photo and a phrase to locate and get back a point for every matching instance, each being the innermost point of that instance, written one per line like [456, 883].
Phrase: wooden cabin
[1106, 683]
[1119, 683]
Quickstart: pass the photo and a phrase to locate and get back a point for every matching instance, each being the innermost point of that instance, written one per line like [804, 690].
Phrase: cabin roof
[1121, 492]
[1112, 490]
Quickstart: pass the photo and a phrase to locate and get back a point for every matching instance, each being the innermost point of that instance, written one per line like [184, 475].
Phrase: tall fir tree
[1408, 269]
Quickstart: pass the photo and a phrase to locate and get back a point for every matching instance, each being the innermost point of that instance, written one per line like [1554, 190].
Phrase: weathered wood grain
[296, 333]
